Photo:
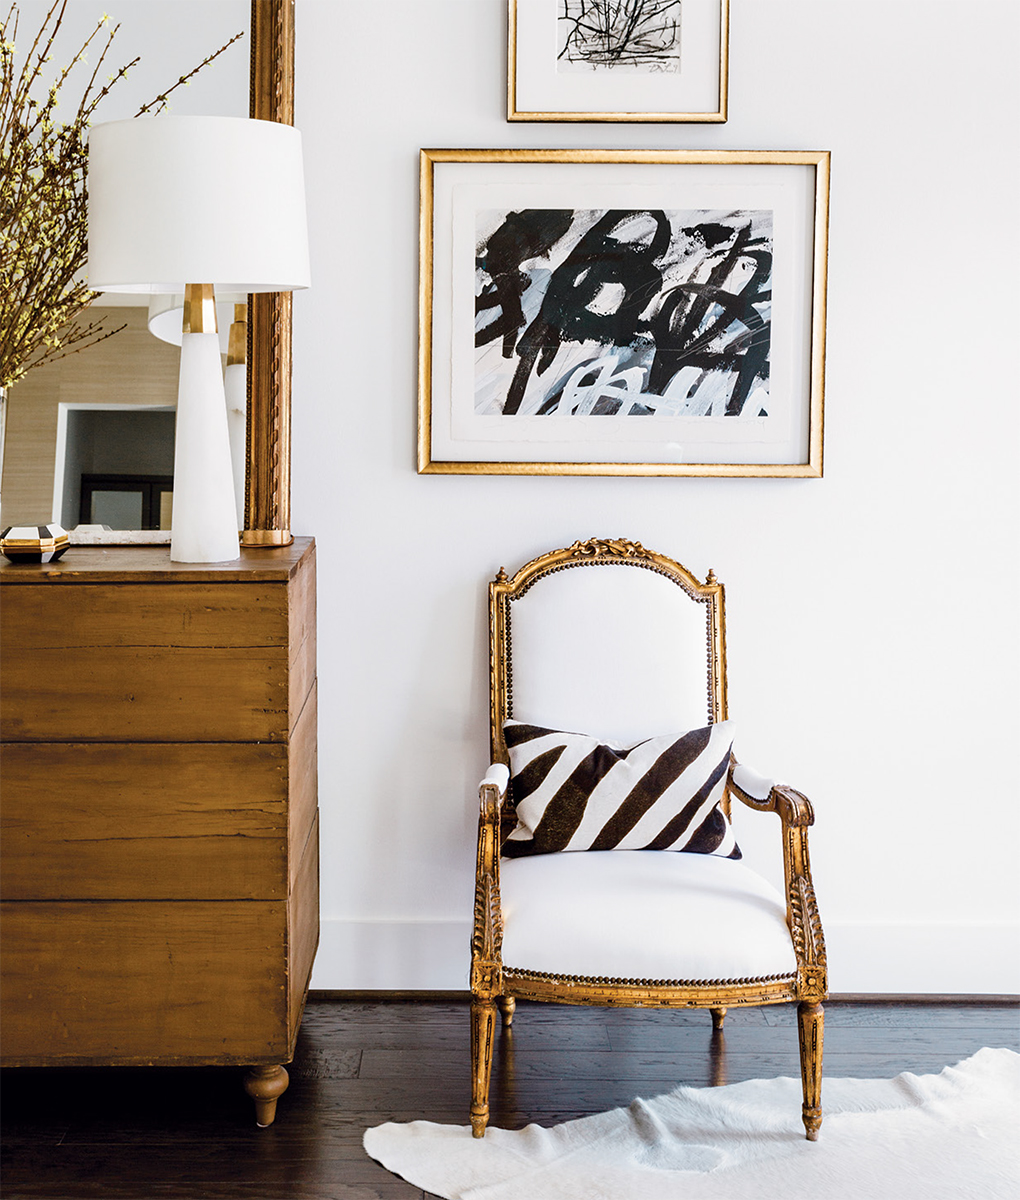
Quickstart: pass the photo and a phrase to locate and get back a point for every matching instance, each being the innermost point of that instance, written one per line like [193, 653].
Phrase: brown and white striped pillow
[573, 793]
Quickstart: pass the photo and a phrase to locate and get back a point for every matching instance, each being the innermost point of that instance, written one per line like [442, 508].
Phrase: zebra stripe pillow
[573, 793]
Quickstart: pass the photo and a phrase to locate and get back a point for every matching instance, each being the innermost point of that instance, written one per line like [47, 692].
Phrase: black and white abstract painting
[619, 35]
[623, 313]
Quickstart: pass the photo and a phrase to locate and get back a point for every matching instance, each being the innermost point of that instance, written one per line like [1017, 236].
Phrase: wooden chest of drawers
[159, 841]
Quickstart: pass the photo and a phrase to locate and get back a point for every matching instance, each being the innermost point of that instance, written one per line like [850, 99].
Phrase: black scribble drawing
[636, 35]
[621, 313]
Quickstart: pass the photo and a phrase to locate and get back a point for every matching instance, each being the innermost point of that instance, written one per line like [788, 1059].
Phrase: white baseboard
[907, 959]
[393, 955]
[920, 957]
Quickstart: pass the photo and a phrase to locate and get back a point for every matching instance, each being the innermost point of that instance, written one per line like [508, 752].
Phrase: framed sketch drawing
[622, 312]
[617, 60]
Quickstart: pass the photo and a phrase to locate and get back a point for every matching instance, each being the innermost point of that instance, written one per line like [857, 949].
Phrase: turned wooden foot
[507, 1004]
[718, 1016]
[483, 1027]
[266, 1085]
[811, 1025]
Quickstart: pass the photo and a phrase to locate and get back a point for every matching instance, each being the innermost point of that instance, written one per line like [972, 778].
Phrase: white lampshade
[192, 205]
[179, 200]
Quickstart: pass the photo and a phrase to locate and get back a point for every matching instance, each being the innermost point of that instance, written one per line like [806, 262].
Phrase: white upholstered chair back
[620, 646]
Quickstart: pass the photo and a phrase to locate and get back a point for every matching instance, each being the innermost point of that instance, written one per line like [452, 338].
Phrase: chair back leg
[483, 1028]
[811, 1024]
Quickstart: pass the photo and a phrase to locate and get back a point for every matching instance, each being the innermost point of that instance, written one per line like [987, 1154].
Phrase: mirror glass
[89, 438]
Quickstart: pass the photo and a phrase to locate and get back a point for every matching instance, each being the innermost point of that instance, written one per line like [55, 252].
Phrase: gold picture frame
[644, 60]
[683, 363]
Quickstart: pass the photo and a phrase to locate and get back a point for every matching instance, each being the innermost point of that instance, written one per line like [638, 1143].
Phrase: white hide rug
[952, 1136]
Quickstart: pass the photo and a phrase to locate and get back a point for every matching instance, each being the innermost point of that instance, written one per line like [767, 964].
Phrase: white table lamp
[189, 205]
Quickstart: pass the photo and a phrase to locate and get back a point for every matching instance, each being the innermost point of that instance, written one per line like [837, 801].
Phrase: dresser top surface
[152, 564]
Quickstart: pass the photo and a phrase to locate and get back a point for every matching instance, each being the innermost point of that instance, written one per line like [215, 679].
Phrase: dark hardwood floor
[146, 1134]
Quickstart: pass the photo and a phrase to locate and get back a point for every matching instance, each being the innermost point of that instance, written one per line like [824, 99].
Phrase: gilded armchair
[627, 646]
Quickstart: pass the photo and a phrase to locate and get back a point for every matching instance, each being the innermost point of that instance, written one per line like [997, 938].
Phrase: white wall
[889, 692]
[169, 38]
[872, 614]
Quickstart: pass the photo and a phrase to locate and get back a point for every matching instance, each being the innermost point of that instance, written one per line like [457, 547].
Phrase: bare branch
[43, 201]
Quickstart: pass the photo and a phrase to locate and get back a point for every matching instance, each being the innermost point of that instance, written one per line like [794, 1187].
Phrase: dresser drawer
[134, 821]
[153, 662]
[100, 616]
[144, 982]
[127, 821]
[144, 695]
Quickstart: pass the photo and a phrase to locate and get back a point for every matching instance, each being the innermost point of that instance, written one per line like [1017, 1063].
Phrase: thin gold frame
[811, 469]
[716, 117]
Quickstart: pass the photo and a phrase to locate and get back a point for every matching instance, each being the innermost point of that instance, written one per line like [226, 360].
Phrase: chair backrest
[608, 639]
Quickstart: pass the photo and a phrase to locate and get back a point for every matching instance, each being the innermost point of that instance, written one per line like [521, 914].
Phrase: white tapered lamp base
[204, 526]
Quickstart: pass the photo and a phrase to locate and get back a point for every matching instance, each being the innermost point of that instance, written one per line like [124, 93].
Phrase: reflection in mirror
[106, 411]
[91, 429]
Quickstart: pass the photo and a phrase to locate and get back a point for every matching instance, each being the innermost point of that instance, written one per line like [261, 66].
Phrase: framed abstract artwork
[622, 312]
[617, 60]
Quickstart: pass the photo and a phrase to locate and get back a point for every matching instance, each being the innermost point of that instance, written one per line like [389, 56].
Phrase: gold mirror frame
[267, 476]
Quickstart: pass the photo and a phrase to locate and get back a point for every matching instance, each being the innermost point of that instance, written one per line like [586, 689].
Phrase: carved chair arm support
[487, 935]
[797, 815]
[491, 794]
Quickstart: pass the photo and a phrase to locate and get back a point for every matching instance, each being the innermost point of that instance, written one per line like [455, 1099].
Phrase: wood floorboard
[396, 1189]
[188, 1134]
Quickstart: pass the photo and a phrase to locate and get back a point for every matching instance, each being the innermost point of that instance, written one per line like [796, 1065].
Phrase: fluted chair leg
[483, 1027]
[811, 1024]
[718, 1016]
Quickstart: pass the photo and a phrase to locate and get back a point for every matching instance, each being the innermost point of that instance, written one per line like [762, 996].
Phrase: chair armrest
[766, 795]
[794, 807]
[497, 776]
[752, 788]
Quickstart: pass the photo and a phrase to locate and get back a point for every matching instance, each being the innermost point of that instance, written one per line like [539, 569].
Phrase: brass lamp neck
[237, 345]
[199, 308]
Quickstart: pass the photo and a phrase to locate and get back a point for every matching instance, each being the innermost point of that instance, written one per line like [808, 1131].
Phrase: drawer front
[143, 694]
[150, 662]
[138, 821]
[65, 616]
[158, 982]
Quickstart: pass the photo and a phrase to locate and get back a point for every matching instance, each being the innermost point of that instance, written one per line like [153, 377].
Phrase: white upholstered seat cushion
[642, 914]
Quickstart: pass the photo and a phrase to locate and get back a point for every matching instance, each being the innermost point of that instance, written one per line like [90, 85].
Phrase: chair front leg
[486, 967]
[811, 1025]
[483, 1028]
